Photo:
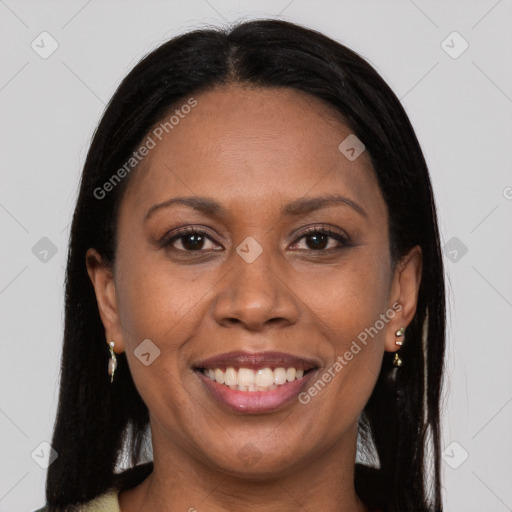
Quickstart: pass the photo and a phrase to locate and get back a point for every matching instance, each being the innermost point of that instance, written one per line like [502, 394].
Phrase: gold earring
[400, 333]
[112, 363]
[397, 361]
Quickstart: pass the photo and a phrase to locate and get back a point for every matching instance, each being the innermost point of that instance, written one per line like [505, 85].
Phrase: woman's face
[254, 174]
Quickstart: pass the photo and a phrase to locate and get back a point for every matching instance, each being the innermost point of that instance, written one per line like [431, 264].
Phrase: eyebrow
[209, 206]
[307, 205]
[204, 205]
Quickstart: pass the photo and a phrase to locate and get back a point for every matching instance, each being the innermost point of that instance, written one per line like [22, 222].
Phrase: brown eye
[190, 240]
[323, 239]
[317, 241]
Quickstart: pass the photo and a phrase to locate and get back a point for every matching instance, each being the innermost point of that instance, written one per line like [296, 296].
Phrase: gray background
[460, 107]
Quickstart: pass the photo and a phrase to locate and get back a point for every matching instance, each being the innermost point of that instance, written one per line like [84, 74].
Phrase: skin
[253, 150]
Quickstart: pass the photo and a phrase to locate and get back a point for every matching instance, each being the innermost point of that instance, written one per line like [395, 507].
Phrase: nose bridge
[255, 294]
[253, 268]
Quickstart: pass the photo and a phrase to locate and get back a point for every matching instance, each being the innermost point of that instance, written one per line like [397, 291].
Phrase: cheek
[349, 307]
[165, 306]
[352, 312]
[158, 300]
[350, 297]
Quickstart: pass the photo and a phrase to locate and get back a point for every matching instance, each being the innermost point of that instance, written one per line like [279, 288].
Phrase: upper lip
[257, 360]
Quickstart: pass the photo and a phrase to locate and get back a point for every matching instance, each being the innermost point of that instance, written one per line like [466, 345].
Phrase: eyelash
[344, 241]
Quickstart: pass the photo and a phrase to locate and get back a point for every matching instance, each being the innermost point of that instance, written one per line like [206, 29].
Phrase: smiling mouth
[252, 380]
[255, 382]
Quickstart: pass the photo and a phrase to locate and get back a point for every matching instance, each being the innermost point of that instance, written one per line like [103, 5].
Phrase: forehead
[251, 145]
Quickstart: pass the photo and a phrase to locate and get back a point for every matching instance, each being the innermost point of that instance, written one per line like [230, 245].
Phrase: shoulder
[107, 502]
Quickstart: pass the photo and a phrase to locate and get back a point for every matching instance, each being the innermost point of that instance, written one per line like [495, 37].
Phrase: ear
[404, 295]
[102, 278]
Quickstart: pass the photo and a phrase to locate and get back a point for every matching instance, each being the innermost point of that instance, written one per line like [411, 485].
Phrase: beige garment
[107, 502]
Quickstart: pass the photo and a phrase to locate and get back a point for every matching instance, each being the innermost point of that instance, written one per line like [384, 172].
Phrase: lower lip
[255, 402]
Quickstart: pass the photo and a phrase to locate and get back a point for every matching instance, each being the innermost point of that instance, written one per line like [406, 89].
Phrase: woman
[254, 276]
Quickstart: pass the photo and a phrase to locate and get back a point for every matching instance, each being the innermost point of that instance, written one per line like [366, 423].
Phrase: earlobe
[102, 279]
[404, 291]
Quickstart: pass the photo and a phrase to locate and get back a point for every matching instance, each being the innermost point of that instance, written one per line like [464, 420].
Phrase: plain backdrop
[457, 90]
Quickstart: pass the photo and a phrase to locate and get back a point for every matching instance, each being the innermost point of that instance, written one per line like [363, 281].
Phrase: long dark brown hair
[98, 423]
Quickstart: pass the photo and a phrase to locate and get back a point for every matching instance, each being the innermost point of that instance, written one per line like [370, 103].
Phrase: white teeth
[231, 377]
[247, 379]
[279, 376]
[264, 378]
[219, 376]
[290, 374]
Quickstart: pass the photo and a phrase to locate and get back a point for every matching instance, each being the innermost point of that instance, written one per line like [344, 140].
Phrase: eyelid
[326, 228]
[196, 228]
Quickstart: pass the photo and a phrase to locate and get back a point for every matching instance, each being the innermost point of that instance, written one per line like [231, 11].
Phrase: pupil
[319, 241]
[192, 242]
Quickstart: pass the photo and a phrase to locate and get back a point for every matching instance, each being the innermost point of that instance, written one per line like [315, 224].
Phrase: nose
[256, 295]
